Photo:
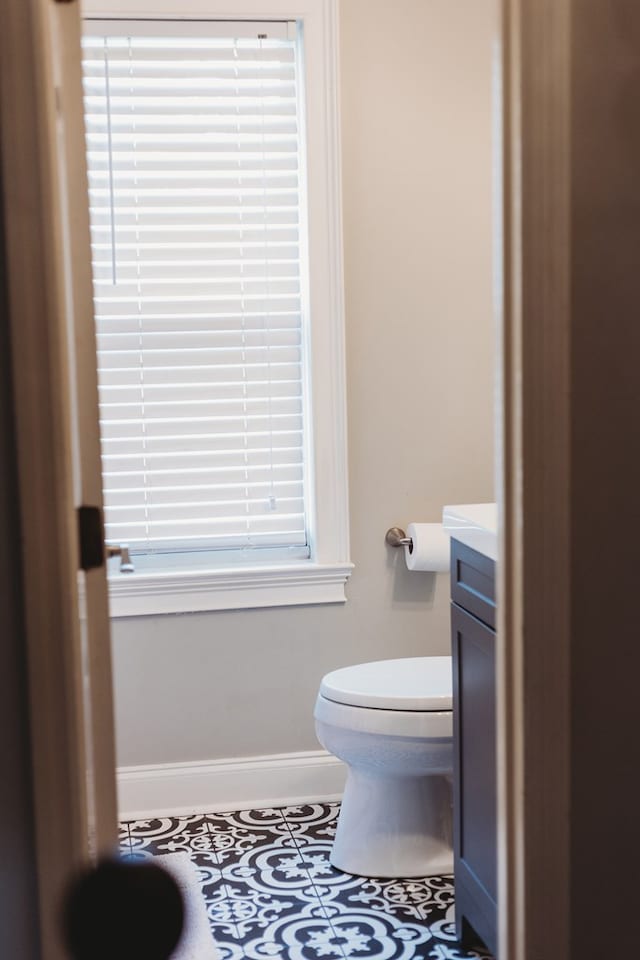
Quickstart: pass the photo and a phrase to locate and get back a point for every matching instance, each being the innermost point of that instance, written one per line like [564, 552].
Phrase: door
[55, 397]
[66, 28]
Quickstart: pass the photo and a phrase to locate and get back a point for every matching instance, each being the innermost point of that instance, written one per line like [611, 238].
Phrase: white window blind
[196, 208]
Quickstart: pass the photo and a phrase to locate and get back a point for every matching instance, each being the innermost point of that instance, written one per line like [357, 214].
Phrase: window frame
[322, 577]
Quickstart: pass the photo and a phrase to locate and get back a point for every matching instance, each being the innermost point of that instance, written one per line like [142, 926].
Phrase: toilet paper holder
[396, 537]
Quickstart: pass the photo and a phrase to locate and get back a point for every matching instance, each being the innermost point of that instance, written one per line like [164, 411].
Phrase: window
[215, 347]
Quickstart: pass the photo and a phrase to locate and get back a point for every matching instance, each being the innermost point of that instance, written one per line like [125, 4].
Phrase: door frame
[533, 469]
[534, 476]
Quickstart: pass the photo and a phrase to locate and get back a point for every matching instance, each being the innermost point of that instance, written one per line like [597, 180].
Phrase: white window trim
[200, 591]
[322, 578]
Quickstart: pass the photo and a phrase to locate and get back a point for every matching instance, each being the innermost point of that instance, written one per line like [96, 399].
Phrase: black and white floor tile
[271, 891]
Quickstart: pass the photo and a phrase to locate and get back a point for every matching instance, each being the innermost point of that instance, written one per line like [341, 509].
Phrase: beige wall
[416, 117]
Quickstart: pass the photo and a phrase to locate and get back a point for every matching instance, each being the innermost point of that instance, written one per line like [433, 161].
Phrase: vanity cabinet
[474, 735]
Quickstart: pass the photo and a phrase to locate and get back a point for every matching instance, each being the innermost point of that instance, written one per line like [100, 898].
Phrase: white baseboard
[217, 785]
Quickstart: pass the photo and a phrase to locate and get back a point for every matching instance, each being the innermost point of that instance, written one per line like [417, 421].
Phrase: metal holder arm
[396, 537]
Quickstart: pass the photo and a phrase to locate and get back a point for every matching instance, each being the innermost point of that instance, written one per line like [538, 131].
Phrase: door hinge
[91, 537]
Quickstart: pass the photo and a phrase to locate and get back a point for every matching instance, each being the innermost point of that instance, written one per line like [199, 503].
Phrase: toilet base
[394, 826]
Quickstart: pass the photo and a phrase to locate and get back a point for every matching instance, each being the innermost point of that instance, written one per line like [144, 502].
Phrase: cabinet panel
[474, 731]
[473, 584]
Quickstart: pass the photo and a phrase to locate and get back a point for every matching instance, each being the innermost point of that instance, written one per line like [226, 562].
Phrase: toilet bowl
[391, 723]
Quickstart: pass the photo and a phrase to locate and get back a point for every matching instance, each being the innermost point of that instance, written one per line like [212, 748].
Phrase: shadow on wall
[410, 586]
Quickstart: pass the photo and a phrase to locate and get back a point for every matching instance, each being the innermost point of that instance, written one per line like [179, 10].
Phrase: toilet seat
[411, 684]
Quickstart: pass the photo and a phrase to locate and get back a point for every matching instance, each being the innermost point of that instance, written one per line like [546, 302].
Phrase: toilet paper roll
[430, 547]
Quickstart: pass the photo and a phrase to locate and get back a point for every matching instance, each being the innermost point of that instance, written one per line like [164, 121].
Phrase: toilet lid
[413, 683]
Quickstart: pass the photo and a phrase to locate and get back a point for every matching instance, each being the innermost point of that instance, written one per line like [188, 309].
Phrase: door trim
[533, 673]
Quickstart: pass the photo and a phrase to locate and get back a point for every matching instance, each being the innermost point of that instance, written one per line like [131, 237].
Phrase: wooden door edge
[41, 381]
[533, 481]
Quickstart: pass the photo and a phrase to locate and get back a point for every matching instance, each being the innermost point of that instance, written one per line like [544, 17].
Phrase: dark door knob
[123, 910]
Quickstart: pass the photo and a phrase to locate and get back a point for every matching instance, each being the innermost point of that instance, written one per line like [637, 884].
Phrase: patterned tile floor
[272, 893]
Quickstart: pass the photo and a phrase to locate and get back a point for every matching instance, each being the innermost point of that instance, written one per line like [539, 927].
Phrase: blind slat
[226, 502]
[218, 462]
[180, 445]
[205, 477]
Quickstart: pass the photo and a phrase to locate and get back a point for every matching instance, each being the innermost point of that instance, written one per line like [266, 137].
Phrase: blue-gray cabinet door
[474, 732]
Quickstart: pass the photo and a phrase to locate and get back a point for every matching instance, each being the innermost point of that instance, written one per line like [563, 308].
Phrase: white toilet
[391, 723]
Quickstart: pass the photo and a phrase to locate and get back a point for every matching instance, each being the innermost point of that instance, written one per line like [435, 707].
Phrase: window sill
[133, 595]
